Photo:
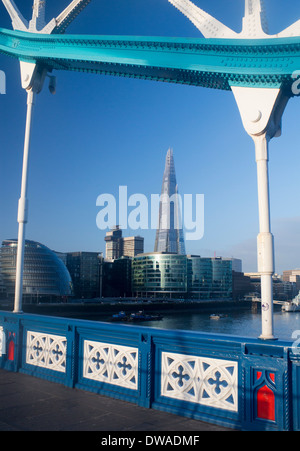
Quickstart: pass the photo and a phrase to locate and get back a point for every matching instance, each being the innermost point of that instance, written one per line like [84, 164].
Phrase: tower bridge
[236, 381]
[260, 69]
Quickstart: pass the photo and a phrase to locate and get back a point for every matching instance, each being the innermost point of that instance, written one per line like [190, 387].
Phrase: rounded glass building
[45, 276]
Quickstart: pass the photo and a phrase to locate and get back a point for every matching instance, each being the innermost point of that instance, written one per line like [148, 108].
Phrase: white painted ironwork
[113, 364]
[255, 24]
[46, 351]
[201, 380]
[38, 22]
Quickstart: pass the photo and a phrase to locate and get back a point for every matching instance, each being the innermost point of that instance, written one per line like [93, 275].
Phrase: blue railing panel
[232, 381]
[110, 361]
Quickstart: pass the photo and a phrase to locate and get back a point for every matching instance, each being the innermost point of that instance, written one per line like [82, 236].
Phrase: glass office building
[167, 275]
[45, 277]
[200, 282]
[84, 268]
[159, 274]
[222, 277]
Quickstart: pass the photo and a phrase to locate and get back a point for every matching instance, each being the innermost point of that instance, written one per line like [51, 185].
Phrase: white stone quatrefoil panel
[202, 380]
[46, 351]
[113, 364]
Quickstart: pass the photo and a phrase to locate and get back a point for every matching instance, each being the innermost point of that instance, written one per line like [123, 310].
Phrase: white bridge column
[265, 240]
[32, 79]
[23, 206]
[261, 110]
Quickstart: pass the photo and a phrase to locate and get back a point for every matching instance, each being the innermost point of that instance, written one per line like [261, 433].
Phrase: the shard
[169, 234]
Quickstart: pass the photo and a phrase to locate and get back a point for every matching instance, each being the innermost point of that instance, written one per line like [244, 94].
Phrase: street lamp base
[267, 337]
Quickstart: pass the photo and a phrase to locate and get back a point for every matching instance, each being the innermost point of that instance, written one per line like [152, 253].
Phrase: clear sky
[99, 132]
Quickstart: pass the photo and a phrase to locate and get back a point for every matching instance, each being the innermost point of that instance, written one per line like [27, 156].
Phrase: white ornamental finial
[254, 22]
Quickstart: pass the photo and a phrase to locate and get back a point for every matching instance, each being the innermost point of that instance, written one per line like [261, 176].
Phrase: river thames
[236, 318]
[243, 322]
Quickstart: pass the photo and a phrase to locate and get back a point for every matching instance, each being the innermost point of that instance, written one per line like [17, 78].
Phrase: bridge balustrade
[231, 381]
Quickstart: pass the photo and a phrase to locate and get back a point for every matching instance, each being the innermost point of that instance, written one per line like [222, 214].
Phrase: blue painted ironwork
[147, 365]
[210, 63]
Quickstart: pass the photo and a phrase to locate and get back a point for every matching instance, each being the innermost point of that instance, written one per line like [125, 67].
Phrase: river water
[243, 322]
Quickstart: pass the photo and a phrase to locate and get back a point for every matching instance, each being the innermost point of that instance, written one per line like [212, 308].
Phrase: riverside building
[174, 276]
[84, 268]
[45, 277]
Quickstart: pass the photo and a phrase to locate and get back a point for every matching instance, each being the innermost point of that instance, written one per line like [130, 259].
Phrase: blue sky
[98, 133]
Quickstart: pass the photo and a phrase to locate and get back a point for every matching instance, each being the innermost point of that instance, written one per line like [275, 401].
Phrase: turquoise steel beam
[211, 63]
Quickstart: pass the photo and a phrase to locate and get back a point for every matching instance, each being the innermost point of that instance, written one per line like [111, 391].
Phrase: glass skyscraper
[169, 234]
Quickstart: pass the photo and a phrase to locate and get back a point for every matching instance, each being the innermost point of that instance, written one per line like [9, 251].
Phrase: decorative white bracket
[261, 109]
[32, 76]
